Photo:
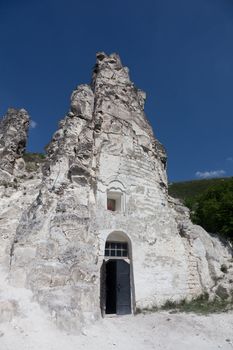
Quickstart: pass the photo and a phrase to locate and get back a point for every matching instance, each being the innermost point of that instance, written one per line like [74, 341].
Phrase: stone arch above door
[120, 237]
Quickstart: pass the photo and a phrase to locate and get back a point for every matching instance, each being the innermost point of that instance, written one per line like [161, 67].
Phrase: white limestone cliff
[54, 227]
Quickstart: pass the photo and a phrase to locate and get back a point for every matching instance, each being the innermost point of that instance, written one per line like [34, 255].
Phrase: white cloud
[229, 159]
[33, 124]
[209, 174]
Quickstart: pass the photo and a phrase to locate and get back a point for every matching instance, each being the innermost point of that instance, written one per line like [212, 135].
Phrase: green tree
[214, 209]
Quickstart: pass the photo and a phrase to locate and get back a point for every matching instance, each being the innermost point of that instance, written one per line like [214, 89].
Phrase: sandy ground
[160, 330]
[31, 329]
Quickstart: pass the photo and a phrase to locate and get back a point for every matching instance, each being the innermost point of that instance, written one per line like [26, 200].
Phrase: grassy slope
[191, 189]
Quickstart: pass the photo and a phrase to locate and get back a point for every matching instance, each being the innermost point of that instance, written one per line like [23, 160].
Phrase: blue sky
[179, 51]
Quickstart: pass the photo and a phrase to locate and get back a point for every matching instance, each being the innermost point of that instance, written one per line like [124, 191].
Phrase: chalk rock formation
[16, 190]
[104, 156]
[13, 137]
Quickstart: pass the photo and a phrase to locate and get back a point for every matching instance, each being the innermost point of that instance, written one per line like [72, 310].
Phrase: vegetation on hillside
[210, 203]
[190, 189]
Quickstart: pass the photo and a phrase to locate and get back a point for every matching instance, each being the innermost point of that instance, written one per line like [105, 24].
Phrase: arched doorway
[118, 295]
[116, 275]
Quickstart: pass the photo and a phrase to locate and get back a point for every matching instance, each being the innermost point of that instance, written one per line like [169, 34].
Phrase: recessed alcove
[114, 201]
[115, 196]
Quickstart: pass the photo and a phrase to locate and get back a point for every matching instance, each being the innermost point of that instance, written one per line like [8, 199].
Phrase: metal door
[123, 299]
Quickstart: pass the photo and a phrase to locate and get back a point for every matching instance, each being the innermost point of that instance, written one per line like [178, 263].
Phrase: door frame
[103, 285]
[117, 281]
[121, 237]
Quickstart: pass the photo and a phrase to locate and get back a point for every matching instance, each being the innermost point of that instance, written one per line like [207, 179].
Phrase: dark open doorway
[117, 287]
[111, 285]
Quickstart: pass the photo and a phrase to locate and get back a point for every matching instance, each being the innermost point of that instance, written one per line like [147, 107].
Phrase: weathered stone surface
[8, 309]
[17, 190]
[103, 146]
[13, 137]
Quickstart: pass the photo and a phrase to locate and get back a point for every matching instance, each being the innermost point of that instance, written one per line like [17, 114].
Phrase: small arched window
[114, 201]
[116, 196]
[117, 245]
